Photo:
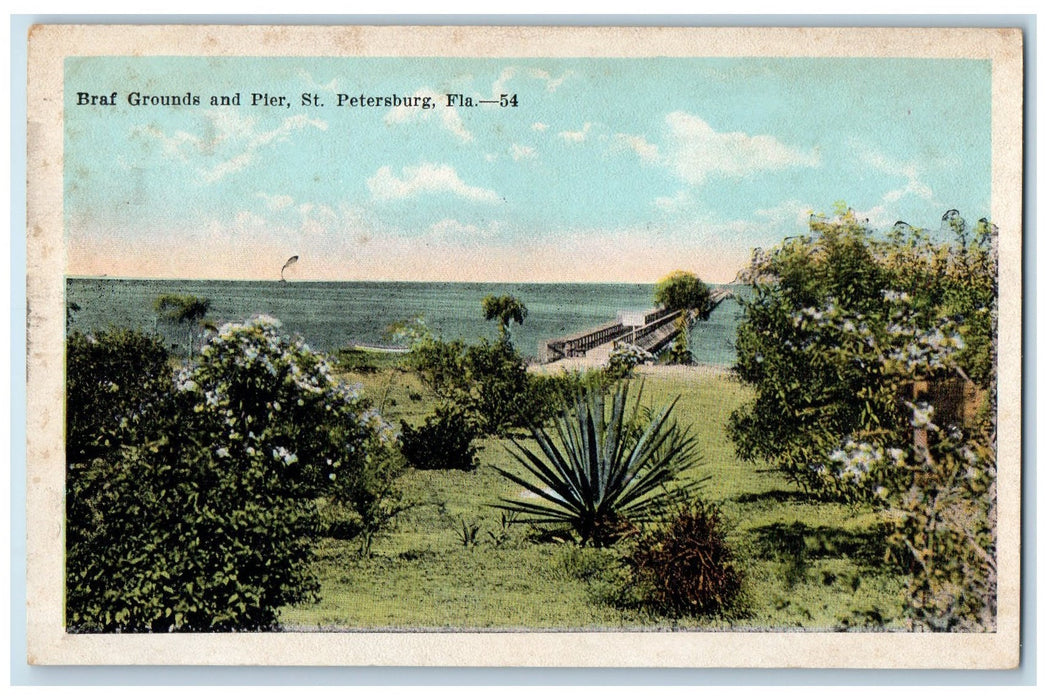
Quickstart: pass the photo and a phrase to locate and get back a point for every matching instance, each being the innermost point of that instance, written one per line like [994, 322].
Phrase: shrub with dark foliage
[686, 567]
[444, 441]
[117, 383]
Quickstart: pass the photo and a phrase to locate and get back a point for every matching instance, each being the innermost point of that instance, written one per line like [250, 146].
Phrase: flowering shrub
[261, 398]
[945, 528]
[839, 328]
[849, 340]
[203, 521]
[624, 358]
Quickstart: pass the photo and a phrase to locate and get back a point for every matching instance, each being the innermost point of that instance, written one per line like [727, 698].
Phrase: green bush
[683, 291]
[499, 386]
[117, 384]
[202, 520]
[854, 343]
[547, 394]
[685, 566]
[487, 381]
[440, 364]
[444, 441]
[623, 360]
[839, 327]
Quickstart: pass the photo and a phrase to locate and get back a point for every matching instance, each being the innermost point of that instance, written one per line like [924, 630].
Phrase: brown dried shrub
[686, 567]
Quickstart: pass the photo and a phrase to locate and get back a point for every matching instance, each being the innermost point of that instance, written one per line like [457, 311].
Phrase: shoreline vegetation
[840, 475]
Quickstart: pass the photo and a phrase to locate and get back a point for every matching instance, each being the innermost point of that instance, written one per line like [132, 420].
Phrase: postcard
[524, 346]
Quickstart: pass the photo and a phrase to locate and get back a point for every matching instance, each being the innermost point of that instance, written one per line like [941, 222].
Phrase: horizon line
[363, 281]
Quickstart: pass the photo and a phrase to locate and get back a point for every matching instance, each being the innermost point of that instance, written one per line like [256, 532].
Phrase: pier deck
[656, 329]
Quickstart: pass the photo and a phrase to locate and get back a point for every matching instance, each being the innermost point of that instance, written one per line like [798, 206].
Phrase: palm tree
[507, 309]
[183, 308]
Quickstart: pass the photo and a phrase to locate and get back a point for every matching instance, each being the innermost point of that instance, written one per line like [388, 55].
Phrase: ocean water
[331, 315]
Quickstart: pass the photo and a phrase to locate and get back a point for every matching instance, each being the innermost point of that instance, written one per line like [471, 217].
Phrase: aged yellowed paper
[259, 260]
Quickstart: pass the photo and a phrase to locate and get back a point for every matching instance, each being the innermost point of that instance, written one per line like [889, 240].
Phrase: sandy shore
[573, 364]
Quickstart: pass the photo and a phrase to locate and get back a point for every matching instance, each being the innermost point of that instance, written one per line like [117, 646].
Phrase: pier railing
[658, 328]
[653, 336]
[577, 345]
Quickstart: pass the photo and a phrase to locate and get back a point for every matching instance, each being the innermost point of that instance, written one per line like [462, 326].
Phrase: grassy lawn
[807, 564]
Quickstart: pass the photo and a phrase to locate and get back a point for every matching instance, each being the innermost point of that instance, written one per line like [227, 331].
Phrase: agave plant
[604, 467]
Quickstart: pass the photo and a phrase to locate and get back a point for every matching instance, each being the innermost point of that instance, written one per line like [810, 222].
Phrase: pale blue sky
[608, 170]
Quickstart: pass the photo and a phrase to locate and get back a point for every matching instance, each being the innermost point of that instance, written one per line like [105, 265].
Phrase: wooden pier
[652, 331]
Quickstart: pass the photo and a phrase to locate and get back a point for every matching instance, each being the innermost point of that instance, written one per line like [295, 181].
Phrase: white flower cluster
[922, 413]
[916, 350]
[893, 297]
[631, 353]
[812, 313]
[926, 350]
[856, 460]
[284, 455]
[252, 381]
[905, 345]
[858, 468]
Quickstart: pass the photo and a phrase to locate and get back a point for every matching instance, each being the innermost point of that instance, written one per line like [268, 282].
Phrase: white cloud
[576, 136]
[788, 213]
[312, 84]
[910, 171]
[680, 200]
[501, 84]
[551, 83]
[276, 202]
[423, 179]
[179, 145]
[914, 187]
[696, 150]
[232, 143]
[248, 219]
[878, 215]
[449, 117]
[519, 152]
[643, 148]
[539, 126]
[452, 121]
[318, 219]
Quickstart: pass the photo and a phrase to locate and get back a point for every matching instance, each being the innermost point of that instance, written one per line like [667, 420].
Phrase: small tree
[507, 309]
[183, 308]
[683, 291]
[488, 380]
